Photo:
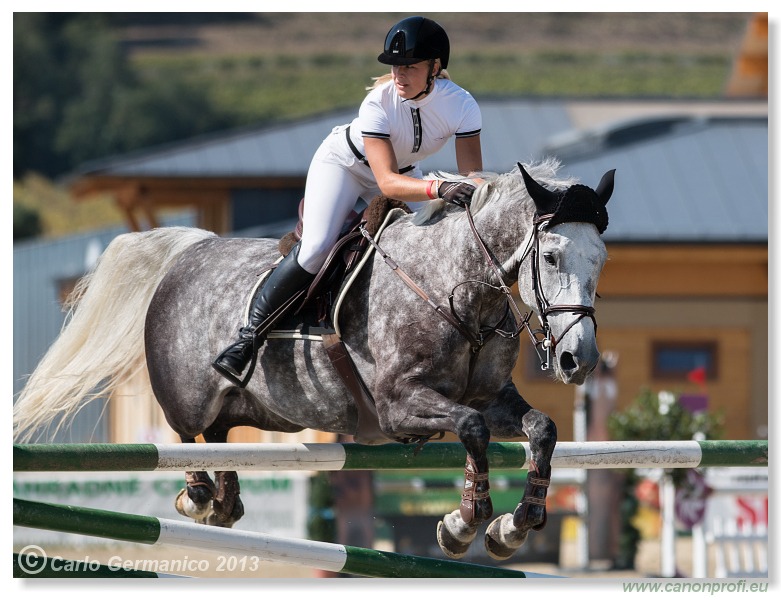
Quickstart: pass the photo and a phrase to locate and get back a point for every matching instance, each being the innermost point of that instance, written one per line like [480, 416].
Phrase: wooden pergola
[141, 199]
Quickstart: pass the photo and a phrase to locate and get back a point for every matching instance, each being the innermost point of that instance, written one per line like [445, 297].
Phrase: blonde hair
[383, 79]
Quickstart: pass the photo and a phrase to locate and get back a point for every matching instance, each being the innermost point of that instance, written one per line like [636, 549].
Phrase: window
[679, 359]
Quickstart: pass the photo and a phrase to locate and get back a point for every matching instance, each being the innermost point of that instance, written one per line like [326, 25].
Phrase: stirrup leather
[258, 333]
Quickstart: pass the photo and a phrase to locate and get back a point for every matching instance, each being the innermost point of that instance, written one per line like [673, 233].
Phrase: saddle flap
[349, 249]
[348, 245]
[389, 218]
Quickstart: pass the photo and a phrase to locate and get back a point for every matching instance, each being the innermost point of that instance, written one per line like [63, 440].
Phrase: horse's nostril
[567, 362]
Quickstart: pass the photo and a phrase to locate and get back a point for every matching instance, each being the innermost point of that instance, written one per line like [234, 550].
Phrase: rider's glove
[456, 192]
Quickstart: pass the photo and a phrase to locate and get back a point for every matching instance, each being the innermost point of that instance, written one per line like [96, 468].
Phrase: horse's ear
[544, 199]
[605, 188]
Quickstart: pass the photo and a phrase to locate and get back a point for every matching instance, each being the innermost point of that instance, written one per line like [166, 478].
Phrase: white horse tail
[101, 343]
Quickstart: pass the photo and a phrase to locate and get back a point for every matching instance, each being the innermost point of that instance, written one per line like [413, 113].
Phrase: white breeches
[335, 182]
[331, 193]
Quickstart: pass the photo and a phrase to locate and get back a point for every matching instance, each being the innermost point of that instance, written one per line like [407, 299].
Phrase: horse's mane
[543, 172]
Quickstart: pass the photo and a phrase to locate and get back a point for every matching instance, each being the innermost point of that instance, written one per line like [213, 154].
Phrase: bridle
[543, 340]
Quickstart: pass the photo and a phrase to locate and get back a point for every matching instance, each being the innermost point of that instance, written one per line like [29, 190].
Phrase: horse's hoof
[187, 508]
[178, 502]
[450, 546]
[454, 543]
[238, 510]
[220, 519]
[215, 521]
[497, 542]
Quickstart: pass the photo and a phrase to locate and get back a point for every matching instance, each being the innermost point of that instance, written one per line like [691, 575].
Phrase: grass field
[287, 65]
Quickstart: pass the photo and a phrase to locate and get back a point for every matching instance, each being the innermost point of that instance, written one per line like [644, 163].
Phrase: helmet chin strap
[429, 80]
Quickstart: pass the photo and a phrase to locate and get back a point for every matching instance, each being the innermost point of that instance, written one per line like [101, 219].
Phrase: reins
[542, 339]
[475, 340]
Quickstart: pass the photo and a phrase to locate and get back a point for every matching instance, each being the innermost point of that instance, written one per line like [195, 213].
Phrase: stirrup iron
[242, 383]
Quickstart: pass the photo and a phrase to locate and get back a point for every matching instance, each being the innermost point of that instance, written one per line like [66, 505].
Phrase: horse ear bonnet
[578, 204]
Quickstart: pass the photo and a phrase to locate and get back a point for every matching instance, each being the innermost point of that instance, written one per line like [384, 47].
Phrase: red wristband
[429, 192]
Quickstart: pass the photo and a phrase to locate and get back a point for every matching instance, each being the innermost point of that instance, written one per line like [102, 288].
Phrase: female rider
[407, 116]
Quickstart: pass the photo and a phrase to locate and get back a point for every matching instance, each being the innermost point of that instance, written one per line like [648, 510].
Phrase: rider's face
[410, 80]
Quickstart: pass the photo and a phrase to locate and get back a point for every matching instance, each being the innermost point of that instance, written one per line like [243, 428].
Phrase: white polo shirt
[416, 128]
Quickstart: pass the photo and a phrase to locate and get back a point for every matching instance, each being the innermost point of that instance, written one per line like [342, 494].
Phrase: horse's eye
[548, 256]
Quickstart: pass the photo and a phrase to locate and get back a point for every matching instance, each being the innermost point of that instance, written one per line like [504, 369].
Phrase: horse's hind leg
[227, 507]
[206, 502]
[195, 501]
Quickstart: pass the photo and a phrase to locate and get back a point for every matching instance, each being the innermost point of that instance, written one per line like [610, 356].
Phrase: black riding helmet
[414, 39]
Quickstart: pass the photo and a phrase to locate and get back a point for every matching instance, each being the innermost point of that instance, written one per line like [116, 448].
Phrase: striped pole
[318, 555]
[344, 457]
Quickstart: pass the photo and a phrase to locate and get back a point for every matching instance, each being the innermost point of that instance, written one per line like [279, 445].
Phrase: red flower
[697, 375]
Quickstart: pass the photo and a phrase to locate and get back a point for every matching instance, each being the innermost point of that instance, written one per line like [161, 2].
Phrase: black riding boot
[285, 280]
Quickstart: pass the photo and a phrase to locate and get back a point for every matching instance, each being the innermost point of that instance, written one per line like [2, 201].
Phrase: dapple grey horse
[168, 300]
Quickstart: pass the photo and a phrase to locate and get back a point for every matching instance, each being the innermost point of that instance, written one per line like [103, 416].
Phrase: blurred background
[126, 121]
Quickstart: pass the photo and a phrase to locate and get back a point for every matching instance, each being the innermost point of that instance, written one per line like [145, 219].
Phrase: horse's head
[558, 277]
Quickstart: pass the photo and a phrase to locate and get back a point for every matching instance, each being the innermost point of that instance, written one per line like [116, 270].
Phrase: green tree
[27, 222]
[77, 97]
[99, 77]
[39, 83]
[661, 417]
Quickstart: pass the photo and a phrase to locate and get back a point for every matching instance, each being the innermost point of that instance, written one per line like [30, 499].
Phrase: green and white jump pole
[318, 555]
[343, 457]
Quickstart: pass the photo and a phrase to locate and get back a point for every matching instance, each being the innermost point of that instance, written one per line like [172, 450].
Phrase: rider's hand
[456, 192]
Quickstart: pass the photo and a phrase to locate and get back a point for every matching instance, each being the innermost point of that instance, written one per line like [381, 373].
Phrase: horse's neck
[505, 226]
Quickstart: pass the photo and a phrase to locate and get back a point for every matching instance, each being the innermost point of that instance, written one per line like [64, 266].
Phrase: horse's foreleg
[457, 530]
[541, 431]
[508, 532]
[425, 412]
